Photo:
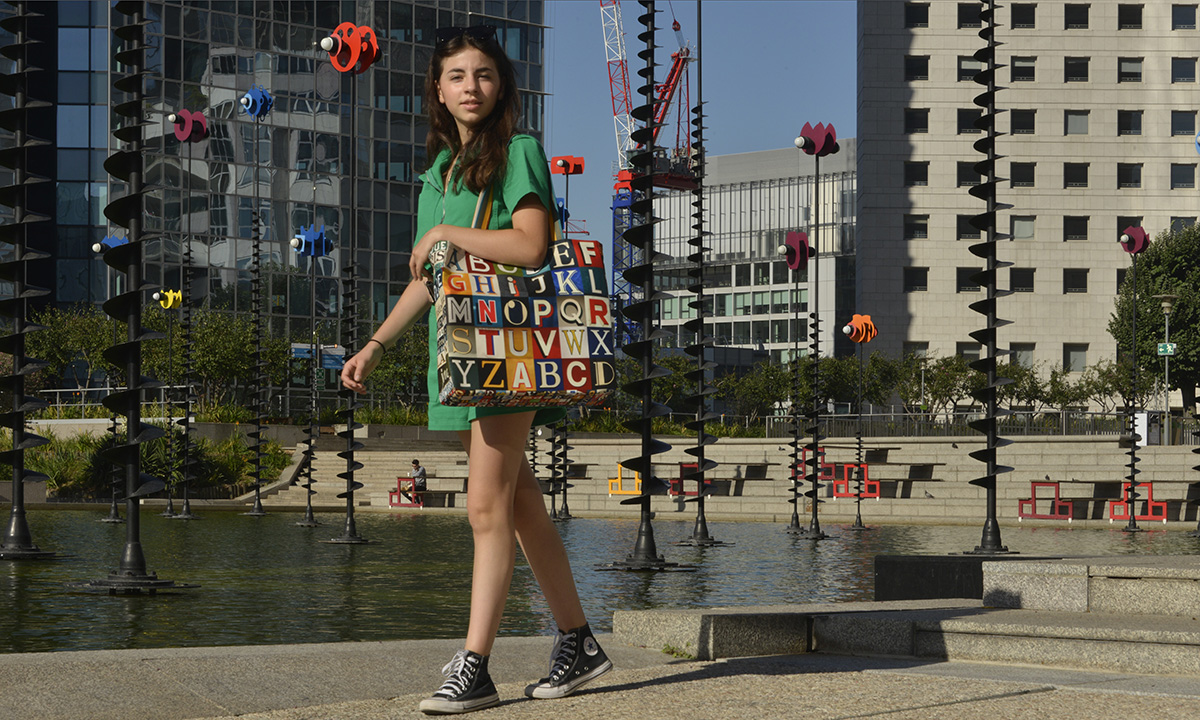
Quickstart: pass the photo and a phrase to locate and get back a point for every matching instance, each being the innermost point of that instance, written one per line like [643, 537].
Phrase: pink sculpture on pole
[820, 140]
[1134, 239]
[189, 126]
[796, 250]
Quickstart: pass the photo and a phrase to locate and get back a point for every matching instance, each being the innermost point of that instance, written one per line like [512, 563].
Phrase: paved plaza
[361, 681]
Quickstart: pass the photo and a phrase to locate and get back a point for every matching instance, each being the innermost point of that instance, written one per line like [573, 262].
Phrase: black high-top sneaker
[576, 659]
[468, 687]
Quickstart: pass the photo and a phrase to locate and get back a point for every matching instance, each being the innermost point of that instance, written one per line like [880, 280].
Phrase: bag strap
[483, 210]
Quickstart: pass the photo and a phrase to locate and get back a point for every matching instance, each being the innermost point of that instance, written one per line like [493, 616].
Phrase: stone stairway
[1119, 614]
[922, 480]
[1123, 614]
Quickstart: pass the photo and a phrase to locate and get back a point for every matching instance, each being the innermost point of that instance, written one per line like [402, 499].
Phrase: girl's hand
[357, 368]
[420, 254]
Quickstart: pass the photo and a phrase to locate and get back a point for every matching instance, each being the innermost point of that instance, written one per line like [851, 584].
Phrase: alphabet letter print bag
[516, 337]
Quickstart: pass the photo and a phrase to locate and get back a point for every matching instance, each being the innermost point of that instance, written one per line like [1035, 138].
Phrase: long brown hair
[486, 155]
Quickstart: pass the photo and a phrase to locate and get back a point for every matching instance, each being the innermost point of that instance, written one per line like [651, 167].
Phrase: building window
[1075, 175]
[762, 273]
[1129, 122]
[1023, 69]
[966, 121]
[1075, 357]
[1075, 122]
[1129, 70]
[967, 174]
[916, 227]
[1076, 16]
[1022, 354]
[1022, 122]
[968, 67]
[915, 349]
[1120, 277]
[1075, 280]
[1127, 221]
[1129, 17]
[916, 174]
[741, 275]
[967, 231]
[1024, 15]
[1183, 122]
[1022, 226]
[916, 120]
[968, 350]
[1183, 17]
[916, 67]
[916, 14]
[916, 279]
[1183, 175]
[1129, 175]
[779, 331]
[1021, 279]
[968, 15]
[1076, 69]
[1183, 70]
[964, 282]
[1075, 227]
[1181, 223]
[1021, 174]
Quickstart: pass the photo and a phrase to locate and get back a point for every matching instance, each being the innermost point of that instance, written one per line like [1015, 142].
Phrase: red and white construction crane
[674, 165]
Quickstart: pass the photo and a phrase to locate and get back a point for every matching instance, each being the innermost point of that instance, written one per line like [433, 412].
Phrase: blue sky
[768, 67]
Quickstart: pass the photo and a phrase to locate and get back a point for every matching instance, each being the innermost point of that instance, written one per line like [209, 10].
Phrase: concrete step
[1148, 644]
[1149, 585]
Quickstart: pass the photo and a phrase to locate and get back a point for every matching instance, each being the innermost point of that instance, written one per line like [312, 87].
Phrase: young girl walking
[474, 107]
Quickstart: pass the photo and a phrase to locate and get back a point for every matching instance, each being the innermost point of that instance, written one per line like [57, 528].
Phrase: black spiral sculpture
[257, 103]
[313, 243]
[189, 128]
[640, 310]
[697, 402]
[126, 165]
[818, 141]
[352, 49]
[860, 330]
[796, 253]
[116, 475]
[1134, 240]
[985, 222]
[24, 115]
[1196, 451]
[562, 464]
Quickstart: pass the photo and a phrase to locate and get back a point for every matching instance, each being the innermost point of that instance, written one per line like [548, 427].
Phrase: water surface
[267, 581]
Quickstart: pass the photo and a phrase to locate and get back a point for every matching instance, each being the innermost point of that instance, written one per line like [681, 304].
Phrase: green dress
[527, 172]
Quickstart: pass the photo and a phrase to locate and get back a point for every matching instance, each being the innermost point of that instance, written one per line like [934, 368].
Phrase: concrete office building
[752, 200]
[1100, 112]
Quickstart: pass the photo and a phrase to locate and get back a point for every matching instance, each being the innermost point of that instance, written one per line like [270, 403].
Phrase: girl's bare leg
[544, 550]
[496, 448]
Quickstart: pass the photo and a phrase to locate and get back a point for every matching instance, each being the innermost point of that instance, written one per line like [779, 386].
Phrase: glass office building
[294, 167]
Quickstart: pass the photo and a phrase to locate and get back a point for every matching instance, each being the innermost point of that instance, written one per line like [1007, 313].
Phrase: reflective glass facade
[205, 55]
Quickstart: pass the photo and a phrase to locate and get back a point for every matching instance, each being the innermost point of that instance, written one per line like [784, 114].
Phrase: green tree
[403, 368]
[1169, 266]
[80, 333]
[1026, 387]
[755, 393]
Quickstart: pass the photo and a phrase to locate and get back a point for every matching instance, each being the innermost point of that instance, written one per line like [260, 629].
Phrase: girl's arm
[413, 303]
[523, 245]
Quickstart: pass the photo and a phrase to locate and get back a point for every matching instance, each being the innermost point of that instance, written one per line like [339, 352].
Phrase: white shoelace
[458, 674]
[562, 654]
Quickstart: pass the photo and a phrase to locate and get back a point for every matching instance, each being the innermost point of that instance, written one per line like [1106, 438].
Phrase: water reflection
[266, 581]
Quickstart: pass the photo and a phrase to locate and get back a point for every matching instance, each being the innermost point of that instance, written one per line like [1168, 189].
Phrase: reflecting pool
[267, 581]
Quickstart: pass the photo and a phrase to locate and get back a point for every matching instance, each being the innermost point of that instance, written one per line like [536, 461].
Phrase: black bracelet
[370, 340]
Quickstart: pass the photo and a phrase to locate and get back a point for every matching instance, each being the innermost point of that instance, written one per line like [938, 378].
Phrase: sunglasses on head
[482, 33]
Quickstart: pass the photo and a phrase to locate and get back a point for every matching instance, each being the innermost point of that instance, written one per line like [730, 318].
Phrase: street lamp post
[1168, 304]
